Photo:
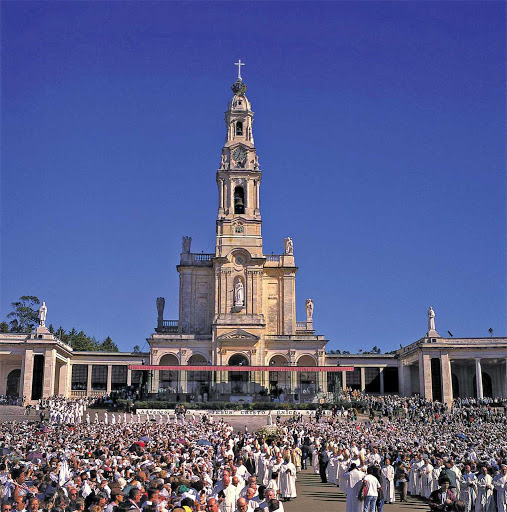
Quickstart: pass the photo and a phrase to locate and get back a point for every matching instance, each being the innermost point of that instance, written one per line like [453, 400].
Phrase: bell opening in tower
[239, 128]
[239, 200]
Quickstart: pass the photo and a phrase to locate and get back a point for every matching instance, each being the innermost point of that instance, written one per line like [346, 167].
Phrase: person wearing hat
[443, 498]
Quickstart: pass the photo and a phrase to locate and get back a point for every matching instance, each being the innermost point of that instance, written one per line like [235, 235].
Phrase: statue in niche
[239, 294]
[223, 163]
[309, 309]
[43, 311]
[187, 241]
[160, 310]
[431, 319]
[289, 246]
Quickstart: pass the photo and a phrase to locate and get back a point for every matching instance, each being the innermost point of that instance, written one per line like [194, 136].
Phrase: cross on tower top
[239, 64]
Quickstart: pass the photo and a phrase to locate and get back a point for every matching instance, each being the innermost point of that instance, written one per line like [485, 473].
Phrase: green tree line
[24, 318]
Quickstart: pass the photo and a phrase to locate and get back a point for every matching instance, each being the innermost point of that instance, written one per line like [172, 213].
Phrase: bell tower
[238, 179]
[238, 324]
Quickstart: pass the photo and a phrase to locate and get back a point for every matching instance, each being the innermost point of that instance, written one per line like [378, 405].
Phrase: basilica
[237, 336]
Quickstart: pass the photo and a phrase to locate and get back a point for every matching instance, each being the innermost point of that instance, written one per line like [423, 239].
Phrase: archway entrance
[168, 379]
[279, 382]
[239, 381]
[307, 381]
[198, 381]
[13, 383]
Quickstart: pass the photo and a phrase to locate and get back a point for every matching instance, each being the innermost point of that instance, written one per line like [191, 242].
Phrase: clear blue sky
[380, 131]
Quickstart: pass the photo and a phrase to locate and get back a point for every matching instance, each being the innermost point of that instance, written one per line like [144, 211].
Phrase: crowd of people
[76, 461]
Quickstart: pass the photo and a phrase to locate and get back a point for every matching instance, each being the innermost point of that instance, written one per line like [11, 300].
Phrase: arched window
[239, 128]
[239, 200]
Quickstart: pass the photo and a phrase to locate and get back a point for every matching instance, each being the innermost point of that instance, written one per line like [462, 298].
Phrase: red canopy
[218, 368]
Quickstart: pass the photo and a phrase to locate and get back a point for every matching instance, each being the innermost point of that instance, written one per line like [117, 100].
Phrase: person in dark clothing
[443, 498]
[323, 462]
[305, 453]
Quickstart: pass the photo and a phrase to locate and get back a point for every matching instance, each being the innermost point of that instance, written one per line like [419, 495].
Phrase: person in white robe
[288, 480]
[225, 493]
[436, 474]
[426, 479]
[484, 501]
[500, 484]
[315, 459]
[468, 487]
[388, 482]
[353, 483]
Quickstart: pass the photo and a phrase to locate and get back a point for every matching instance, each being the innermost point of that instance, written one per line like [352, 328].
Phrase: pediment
[238, 334]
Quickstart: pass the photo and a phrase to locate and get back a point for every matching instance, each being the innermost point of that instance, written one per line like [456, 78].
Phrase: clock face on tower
[239, 155]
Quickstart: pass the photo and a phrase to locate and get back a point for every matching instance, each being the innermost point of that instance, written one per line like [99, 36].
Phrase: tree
[24, 317]
[108, 345]
[137, 349]
[376, 350]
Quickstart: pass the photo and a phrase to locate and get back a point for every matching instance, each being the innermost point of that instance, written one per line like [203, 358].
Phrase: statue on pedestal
[431, 319]
[160, 310]
[309, 309]
[239, 294]
[43, 311]
[187, 240]
[289, 246]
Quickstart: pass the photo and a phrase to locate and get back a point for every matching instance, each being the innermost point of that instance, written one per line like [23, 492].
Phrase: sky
[380, 130]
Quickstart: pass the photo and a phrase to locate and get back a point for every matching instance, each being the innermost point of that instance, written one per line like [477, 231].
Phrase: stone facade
[237, 307]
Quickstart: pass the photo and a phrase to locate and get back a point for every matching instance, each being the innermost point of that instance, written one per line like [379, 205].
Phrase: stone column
[505, 379]
[425, 388]
[381, 380]
[183, 382]
[63, 388]
[287, 295]
[89, 381]
[344, 380]
[3, 379]
[109, 378]
[363, 380]
[447, 393]
[129, 376]
[48, 382]
[404, 380]
[478, 377]
[221, 195]
[155, 382]
[28, 374]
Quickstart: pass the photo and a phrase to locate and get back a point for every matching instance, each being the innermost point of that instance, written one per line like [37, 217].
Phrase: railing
[273, 257]
[202, 257]
[78, 393]
[301, 325]
[168, 326]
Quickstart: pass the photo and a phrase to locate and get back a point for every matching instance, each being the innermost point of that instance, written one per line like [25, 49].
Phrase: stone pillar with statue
[309, 314]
